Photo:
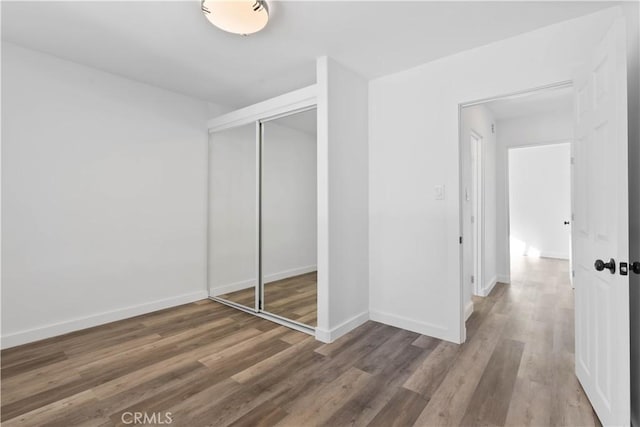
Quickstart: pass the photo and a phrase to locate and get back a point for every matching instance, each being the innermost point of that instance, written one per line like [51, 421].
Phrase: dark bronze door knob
[601, 265]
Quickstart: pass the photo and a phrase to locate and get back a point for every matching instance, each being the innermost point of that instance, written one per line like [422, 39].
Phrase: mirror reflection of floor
[293, 298]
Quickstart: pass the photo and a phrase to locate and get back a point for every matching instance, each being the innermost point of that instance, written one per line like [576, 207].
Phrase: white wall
[479, 119]
[288, 211]
[414, 249]
[343, 162]
[544, 128]
[540, 200]
[103, 197]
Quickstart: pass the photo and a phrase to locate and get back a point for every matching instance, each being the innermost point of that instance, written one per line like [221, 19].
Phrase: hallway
[536, 329]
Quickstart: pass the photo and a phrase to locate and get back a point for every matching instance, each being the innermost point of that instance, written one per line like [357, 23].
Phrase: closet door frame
[290, 103]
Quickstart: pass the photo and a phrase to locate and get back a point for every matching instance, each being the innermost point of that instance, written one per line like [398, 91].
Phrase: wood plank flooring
[210, 365]
[293, 298]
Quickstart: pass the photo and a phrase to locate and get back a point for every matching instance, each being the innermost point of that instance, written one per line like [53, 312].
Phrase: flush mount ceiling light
[237, 16]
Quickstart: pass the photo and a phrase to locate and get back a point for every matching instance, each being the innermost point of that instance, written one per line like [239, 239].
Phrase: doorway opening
[516, 204]
[539, 193]
[588, 325]
[516, 186]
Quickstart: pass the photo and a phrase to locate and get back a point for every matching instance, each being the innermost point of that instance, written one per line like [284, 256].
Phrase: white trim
[290, 273]
[477, 210]
[488, 287]
[232, 287]
[60, 328]
[520, 93]
[423, 328]
[348, 325]
[298, 99]
[259, 296]
[554, 255]
[501, 278]
[322, 185]
[507, 211]
[547, 143]
[468, 310]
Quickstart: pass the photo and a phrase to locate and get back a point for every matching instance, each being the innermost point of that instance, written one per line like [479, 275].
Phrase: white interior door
[601, 229]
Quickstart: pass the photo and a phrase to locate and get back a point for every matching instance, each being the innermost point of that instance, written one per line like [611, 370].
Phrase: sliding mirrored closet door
[262, 220]
[289, 217]
[233, 216]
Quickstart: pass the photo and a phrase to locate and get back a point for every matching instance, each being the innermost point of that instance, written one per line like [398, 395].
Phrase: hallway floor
[208, 364]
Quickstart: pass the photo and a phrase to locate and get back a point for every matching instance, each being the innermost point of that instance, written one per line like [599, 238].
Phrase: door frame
[477, 210]
[508, 200]
[290, 103]
[464, 240]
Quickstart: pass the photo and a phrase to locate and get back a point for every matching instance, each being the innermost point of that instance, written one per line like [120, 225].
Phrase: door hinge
[473, 279]
[573, 160]
[460, 239]
[573, 273]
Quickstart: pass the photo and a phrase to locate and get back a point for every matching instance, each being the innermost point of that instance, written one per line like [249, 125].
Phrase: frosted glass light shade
[237, 16]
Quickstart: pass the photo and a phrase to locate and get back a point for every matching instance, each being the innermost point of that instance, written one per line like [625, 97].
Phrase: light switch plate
[439, 192]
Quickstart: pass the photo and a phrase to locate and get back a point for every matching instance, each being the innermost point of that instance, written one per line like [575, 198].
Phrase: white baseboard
[289, 273]
[246, 284]
[233, 287]
[488, 287]
[468, 310]
[412, 325]
[554, 255]
[348, 325]
[503, 278]
[60, 328]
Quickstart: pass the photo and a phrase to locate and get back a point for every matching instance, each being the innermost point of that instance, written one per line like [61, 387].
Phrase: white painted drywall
[540, 200]
[414, 249]
[538, 129]
[343, 161]
[479, 120]
[288, 210]
[103, 197]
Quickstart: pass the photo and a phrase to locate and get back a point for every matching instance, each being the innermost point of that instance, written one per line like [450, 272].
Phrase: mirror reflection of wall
[289, 217]
[233, 215]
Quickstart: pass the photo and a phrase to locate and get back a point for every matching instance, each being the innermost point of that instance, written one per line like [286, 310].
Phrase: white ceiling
[556, 100]
[171, 44]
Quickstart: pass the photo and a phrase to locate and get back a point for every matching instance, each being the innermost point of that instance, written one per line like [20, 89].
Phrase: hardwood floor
[293, 298]
[208, 364]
